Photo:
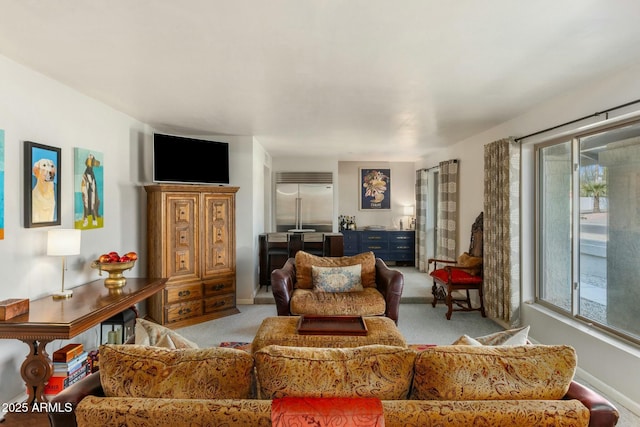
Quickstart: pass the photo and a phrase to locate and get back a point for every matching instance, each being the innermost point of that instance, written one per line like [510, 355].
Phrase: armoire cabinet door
[219, 226]
[182, 236]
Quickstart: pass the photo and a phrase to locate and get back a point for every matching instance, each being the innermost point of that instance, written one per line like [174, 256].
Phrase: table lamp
[63, 242]
[408, 211]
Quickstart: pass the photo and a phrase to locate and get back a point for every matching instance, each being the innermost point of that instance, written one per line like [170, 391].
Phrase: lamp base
[63, 294]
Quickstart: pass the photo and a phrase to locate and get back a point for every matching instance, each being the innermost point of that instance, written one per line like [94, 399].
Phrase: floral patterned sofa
[316, 285]
[452, 385]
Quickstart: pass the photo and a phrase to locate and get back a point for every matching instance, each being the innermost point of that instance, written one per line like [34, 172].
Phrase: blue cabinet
[390, 245]
[351, 242]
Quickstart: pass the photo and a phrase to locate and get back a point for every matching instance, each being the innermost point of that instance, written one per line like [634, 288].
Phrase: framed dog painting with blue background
[375, 189]
[88, 173]
[41, 185]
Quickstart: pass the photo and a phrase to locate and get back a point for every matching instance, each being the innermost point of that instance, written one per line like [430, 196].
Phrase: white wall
[36, 108]
[347, 187]
[403, 182]
[609, 364]
[246, 156]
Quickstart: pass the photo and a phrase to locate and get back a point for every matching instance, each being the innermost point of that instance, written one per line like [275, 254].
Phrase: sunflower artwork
[376, 189]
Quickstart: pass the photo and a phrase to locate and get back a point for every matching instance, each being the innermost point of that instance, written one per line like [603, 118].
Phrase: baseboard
[242, 301]
[609, 391]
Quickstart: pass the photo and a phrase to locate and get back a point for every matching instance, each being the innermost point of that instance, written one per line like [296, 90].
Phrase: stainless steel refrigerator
[304, 201]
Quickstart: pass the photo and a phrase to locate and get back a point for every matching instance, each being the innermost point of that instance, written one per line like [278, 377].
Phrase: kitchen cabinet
[390, 245]
[276, 248]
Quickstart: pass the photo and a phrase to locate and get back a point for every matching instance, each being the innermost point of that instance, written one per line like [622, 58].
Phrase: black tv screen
[177, 159]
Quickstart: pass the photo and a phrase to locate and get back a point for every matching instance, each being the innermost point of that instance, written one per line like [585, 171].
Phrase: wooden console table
[50, 319]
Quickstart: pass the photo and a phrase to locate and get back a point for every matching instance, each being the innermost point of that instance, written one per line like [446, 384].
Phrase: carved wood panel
[182, 232]
[218, 244]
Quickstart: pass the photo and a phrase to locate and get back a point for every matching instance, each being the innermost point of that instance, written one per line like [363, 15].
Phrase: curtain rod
[438, 165]
[596, 114]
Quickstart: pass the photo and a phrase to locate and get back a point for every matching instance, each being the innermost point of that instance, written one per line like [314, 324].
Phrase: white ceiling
[367, 79]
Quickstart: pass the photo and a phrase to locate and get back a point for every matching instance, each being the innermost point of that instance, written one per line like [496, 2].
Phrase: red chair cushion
[457, 277]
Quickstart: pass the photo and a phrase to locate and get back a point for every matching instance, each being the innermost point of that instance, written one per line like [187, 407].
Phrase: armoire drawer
[186, 292]
[219, 286]
[219, 303]
[182, 311]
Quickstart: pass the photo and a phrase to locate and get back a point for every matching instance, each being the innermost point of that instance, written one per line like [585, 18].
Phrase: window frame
[574, 138]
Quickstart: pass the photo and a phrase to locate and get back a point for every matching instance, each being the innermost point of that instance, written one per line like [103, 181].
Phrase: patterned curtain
[448, 209]
[421, 219]
[502, 230]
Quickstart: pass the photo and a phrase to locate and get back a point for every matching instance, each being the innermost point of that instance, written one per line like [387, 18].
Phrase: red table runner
[327, 412]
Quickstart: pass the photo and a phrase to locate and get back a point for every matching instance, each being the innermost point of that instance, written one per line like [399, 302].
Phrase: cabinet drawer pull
[218, 287]
[220, 303]
[184, 293]
[375, 247]
[183, 311]
[374, 237]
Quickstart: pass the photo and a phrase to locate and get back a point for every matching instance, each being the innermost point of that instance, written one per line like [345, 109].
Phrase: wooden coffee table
[282, 330]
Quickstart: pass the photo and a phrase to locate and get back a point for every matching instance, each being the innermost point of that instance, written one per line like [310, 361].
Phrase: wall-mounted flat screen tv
[178, 159]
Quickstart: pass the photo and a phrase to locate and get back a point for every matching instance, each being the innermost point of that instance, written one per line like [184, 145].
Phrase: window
[588, 231]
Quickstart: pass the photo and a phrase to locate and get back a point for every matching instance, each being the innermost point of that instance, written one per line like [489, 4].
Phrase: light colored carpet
[419, 322]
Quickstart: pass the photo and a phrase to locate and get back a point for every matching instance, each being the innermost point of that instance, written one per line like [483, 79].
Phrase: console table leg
[36, 370]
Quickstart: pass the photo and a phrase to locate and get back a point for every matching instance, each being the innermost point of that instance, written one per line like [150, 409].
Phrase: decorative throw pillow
[466, 340]
[188, 373]
[518, 336]
[149, 333]
[380, 371]
[304, 262]
[455, 372]
[337, 279]
[472, 262]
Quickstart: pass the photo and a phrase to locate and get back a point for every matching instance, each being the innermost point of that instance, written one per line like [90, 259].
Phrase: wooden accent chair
[464, 274]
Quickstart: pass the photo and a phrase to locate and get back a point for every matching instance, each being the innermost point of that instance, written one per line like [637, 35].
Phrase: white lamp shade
[61, 242]
[408, 210]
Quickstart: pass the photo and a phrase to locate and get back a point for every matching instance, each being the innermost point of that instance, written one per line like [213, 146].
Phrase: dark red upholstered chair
[463, 274]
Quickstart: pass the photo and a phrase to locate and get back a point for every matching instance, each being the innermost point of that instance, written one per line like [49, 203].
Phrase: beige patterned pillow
[337, 279]
[466, 340]
[149, 333]
[378, 371]
[460, 372]
[142, 371]
[518, 336]
[304, 262]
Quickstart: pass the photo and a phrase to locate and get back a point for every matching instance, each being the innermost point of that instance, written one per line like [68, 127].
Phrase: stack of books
[70, 365]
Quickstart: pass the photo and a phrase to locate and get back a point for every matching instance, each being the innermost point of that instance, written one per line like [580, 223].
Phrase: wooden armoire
[191, 241]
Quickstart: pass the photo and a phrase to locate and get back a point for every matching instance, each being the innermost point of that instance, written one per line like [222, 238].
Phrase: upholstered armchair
[296, 292]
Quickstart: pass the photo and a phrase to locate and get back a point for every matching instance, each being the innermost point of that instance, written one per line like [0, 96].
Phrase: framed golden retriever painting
[41, 185]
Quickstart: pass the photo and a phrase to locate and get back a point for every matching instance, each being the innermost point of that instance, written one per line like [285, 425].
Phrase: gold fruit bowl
[116, 279]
